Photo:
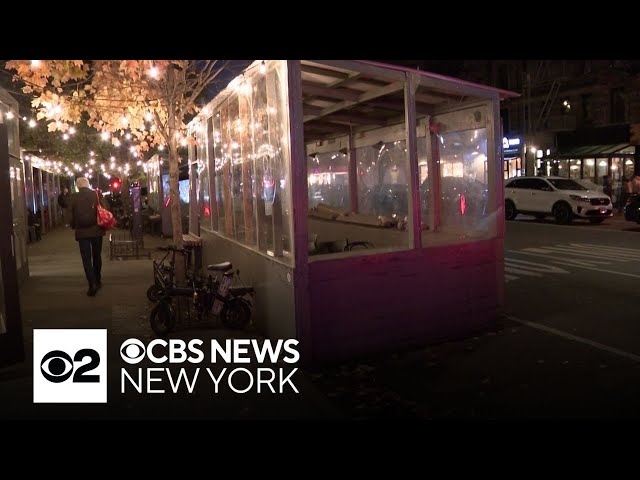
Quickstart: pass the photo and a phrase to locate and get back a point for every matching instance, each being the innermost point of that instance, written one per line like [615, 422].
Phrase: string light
[32, 123]
[35, 63]
[9, 115]
[263, 68]
[148, 116]
[72, 130]
[105, 135]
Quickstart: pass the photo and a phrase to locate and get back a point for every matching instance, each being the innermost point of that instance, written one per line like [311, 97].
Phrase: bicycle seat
[220, 267]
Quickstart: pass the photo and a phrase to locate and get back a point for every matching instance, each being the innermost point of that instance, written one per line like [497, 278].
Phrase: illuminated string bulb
[9, 115]
[24, 118]
[91, 153]
[148, 116]
[113, 159]
[72, 130]
[206, 110]
[128, 136]
[32, 123]
[92, 161]
[161, 148]
[263, 68]
[124, 121]
[245, 87]
[105, 135]
[183, 142]
[132, 149]
[116, 142]
[65, 136]
[35, 63]
[153, 72]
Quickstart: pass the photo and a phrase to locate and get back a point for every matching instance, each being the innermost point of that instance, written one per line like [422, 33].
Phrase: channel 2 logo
[69, 366]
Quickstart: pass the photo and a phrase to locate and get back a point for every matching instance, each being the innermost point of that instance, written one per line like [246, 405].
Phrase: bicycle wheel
[162, 319]
[153, 293]
[236, 314]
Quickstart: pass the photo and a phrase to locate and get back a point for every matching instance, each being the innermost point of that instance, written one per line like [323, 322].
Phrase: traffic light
[115, 184]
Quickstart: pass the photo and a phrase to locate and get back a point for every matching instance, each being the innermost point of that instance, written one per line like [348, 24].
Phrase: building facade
[574, 118]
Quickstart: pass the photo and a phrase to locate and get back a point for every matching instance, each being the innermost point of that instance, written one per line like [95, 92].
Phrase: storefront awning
[597, 150]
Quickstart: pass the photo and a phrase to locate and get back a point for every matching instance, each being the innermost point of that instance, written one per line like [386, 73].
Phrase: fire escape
[538, 80]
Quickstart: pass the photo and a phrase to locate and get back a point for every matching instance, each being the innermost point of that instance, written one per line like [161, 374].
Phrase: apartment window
[503, 76]
[504, 114]
[587, 108]
[617, 105]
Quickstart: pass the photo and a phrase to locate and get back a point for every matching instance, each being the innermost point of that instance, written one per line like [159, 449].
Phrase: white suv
[561, 197]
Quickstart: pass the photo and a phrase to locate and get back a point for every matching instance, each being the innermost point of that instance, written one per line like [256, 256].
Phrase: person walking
[63, 202]
[83, 217]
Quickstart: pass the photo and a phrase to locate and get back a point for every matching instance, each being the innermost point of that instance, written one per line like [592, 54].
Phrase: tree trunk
[174, 195]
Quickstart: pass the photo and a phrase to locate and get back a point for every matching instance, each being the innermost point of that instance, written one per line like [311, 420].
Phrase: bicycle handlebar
[170, 248]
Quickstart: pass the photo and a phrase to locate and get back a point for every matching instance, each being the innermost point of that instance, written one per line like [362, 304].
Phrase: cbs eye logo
[132, 351]
[57, 367]
[70, 365]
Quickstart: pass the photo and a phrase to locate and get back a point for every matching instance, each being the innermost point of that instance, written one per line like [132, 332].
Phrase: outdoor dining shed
[363, 201]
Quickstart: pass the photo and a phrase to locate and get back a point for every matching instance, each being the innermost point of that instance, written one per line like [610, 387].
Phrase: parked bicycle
[213, 297]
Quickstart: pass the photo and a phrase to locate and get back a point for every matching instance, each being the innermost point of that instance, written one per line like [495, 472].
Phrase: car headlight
[578, 198]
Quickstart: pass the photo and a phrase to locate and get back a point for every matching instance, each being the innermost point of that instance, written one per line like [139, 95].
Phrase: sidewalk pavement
[54, 296]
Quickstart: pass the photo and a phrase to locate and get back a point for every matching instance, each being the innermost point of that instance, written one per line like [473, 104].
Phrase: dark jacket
[62, 200]
[83, 205]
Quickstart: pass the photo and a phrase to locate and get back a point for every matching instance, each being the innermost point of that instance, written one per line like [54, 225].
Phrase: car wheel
[596, 220]
[510, 211]
[563, 214]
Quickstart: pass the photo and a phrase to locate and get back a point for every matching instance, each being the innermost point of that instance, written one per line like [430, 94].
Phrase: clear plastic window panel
[244, 132]
[328, 180]
[218, 169]
[235, 154]
[226, 173]
[278, 114]
[204, 200]
[263, 162]
[383, 185]
[464, 190]
[252, 164]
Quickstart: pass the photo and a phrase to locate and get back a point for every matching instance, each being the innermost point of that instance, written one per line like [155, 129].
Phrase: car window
[528, 183]
[539, 184]
[566, 184]
[517, 183]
